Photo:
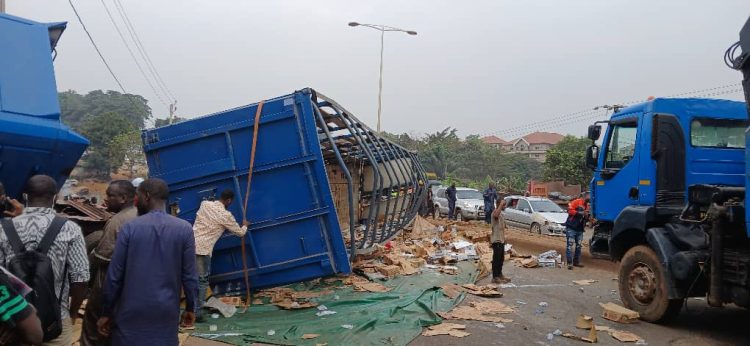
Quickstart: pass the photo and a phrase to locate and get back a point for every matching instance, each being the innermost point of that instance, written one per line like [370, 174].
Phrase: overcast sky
[480, 66]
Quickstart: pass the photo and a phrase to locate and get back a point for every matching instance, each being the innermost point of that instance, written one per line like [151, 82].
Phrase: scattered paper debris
[451, 290]
[225, 309]
[530, 262]
[271, 332]
[579, 338]
[624, 336]
[584, 282]
[310, 336]
[324, 313]
[293, 305]
[347, 326]
[500, 325]
[451, 329]
[617, 313]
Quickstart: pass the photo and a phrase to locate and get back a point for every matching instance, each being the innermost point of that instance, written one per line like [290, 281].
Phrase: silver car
[537, 214]
[469, 203]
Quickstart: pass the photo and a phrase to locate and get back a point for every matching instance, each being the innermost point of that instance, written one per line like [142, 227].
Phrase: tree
[566, 161]
[128, 148]
[76, 109]
[101, 130]
[159, 122]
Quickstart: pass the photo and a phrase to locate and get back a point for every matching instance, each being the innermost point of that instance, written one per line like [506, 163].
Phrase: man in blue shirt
[490, 198]
[154, 258]
[450, 194]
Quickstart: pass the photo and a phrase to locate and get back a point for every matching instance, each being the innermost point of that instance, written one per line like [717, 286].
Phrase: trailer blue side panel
[32, 139]
[294, 234]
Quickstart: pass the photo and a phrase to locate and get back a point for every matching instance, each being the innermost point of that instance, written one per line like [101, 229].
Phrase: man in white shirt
[210, 222]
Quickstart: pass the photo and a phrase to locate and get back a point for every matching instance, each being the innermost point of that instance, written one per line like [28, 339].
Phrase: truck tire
[643, 286]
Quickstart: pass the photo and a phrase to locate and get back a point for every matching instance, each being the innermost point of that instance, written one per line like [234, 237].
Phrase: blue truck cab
[661, 166]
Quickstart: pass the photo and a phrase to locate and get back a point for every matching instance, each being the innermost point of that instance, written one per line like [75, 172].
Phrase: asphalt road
[697, 324]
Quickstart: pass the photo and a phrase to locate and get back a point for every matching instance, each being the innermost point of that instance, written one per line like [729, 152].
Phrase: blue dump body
[32, 138]
[314, 176]
[632, 176]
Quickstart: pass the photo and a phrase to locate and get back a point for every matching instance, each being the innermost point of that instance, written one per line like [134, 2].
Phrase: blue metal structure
[32, 138]
[296, 230]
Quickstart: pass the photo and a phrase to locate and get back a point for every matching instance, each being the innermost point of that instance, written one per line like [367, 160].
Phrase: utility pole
[2, 6]
[172, 110]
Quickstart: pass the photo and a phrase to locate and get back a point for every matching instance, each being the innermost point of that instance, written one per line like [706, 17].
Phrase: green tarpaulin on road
[392, 318]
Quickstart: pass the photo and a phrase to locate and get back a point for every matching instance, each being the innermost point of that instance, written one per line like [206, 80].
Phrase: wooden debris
[483, 291]
[451, 329]
[617, 313]
[584, 322]
[624, 336]
[491, 307]
[584, 282]
[470, 313]
[310, 336]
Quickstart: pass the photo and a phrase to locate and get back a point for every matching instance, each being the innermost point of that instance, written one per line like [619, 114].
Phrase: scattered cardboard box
[617, 313]
[236, 301]
[584, 282]
[310, 336]
[483, 291]
[470, 313]
[491, 307]
[294, 305]
[451, 290]
[624, 336]
[389, 270]
[584, 322]
[531, 262]
[451, 329]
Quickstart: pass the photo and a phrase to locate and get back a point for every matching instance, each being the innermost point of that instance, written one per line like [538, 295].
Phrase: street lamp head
[353, 24]
[410, 32]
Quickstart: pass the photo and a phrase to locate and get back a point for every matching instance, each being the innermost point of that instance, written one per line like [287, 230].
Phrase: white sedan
[537, 214]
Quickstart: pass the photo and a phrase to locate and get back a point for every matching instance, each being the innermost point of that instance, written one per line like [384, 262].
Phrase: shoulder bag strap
[12, 234]
[52, 231]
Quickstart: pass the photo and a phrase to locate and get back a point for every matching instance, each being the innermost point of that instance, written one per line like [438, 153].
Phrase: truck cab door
[616, 181]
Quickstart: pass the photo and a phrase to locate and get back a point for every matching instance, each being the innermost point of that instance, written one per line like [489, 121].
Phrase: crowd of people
[145, 262]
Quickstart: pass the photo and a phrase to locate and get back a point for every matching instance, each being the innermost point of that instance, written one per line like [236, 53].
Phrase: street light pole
[382, 29]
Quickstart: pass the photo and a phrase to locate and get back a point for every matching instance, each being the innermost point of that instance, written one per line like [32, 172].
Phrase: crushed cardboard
[471, 313]
[584, 322]
[584, 282]
[623, 336]
[451, 290]
[310, 336]
[591, 338]
[445, 328]
[617, 313]
[295, 305]
[483, 291]
[491, 307]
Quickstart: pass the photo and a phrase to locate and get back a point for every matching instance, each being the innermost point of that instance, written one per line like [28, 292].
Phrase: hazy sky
[479, 66]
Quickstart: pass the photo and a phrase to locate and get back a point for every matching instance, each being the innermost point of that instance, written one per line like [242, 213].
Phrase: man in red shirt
[578, 214]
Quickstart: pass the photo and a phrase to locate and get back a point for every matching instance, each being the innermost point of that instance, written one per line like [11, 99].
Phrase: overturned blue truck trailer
[32, 138]
[324, 185]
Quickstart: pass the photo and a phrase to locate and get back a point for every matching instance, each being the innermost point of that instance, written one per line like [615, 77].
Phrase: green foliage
[469, 162]
[566, 161]
[128, 148]
[77, 109]
[102, 157]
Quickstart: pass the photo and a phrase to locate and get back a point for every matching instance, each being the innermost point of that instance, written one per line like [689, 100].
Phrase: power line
[132, 55]
[142, 50]
[586, 114]
[101, 56]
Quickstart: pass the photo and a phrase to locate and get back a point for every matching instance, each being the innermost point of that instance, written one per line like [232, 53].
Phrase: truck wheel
[536, 228]
[643, 286]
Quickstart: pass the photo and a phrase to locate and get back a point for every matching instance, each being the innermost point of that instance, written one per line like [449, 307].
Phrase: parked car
[469, 203]
[537, 214]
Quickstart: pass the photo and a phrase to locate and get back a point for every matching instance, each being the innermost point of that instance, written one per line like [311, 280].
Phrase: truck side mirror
[592, 154]
[594, 132]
